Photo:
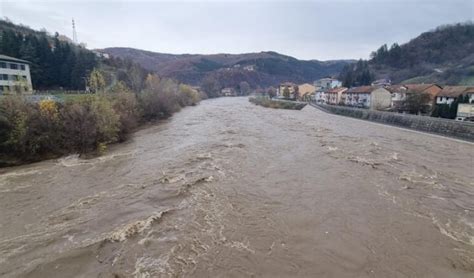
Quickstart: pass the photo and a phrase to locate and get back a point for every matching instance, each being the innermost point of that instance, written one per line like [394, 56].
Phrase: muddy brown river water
[229, 189]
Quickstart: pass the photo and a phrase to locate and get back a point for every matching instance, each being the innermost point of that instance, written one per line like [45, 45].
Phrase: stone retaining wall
[452, 128]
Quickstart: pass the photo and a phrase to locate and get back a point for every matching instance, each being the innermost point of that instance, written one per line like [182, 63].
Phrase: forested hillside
[444, 55]
[258, 69]
[54, 63]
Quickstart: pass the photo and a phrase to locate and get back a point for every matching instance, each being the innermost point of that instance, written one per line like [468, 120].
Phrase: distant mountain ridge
[258, 69]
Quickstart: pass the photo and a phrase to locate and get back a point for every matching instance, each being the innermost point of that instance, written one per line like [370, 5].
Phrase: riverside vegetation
[85, 124]
[280, 104]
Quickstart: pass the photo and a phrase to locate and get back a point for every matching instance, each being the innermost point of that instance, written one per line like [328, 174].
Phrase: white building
[14, 75]
[327, 83]
[367, 97]
[249, 68]
[320, 96]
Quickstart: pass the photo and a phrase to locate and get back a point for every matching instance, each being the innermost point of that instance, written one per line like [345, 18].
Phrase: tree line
[85, 124]
[356, 74]
[449, 43]
[54, 63]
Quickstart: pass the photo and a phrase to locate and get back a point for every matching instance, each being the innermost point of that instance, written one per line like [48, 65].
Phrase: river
[230, 189]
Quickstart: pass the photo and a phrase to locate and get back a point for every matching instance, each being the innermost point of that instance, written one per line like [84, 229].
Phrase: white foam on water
[134, 228]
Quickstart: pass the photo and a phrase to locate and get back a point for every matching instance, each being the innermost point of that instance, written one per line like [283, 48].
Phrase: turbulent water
[230, 189]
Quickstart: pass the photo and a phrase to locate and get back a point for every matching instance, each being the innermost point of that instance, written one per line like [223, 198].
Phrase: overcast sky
[320, 29]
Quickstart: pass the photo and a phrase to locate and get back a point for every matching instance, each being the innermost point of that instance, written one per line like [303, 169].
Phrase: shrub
[89, 122]
[44, 127]
[188, 96]
[16, 114]
[79, 127]
[30, 131]
[160, 98]
[125, 104]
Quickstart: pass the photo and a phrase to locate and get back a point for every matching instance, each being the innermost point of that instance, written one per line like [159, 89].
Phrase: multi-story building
[326, 84]
[334, 96]
[14, 76]
[320, 96]
[367, 97]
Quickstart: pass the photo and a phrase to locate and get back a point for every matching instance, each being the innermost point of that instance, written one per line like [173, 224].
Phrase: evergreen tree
[53, 63]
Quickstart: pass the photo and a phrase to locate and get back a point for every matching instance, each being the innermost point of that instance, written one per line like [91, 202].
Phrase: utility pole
[74, 34]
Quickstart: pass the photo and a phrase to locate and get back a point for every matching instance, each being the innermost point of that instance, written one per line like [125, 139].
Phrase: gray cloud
[306, 29]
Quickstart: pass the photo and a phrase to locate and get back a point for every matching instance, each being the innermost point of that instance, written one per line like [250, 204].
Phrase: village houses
[400, 93]
[322, 86]
[450, 93]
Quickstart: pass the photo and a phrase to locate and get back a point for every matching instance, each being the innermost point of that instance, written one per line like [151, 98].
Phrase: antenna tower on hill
[74, 34]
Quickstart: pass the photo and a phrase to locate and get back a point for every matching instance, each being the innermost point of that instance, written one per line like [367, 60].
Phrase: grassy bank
[84, 124]
[279, 104]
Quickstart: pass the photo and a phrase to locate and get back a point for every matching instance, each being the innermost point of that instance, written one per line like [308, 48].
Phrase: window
[22, 67]
[14, 66]
[24, 77]
[5, 76]
[3, 65]
[1, 88]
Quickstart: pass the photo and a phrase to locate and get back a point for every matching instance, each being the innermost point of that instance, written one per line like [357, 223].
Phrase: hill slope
[444, 55]
[258, 69]
[55, 63]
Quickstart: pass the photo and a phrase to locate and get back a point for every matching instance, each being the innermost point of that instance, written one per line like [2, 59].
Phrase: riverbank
[444, 127]
[33, 130]
[277, 103]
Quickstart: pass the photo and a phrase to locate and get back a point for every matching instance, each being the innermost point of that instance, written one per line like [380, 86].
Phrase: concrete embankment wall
[451, 128]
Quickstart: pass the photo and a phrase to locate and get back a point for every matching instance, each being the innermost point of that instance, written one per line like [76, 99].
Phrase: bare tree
[417, 103]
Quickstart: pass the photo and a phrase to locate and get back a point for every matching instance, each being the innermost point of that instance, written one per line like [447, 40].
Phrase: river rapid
[230, 189]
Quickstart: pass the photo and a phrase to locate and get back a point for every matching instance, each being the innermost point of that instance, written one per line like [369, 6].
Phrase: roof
[382, 81]
[327, 79]
[469, 90]
[336, 90]
[12, 59]
[361, 90]
[306, 87]
[287, 84]
[455, 91]
[396, 88]
[419, 88]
